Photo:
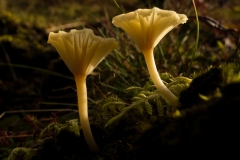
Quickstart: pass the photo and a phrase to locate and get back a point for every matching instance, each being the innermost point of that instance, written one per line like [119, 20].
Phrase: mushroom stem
[167, 94]
[83, 112]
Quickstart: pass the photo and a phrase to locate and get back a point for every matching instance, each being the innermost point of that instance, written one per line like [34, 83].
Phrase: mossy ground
[33, 77]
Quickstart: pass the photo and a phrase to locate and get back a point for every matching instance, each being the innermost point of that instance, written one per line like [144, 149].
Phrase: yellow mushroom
[82, 51]
[147, 27]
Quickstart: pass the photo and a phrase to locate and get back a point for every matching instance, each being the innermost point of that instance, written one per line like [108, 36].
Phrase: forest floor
[38, 93]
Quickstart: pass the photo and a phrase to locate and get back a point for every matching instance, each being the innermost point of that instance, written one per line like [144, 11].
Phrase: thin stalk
[9, 62]
[197, 38]
[167, 94]
[238, 46]
[119, 8]
[162, 55]
[83, 112]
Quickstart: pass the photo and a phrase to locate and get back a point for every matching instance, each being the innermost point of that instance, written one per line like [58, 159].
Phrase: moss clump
[208, 84]
[205, 84]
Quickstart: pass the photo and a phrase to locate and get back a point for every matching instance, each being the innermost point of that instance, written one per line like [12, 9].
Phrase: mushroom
[147, 27]
[82, 51]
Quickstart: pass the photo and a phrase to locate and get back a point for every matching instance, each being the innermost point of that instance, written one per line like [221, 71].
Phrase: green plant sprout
[147, 27]
[82, 51]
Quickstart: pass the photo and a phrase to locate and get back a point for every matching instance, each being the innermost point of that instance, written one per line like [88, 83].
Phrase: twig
[37, 69]
[9, 62]
[38, 110]
[215, 24]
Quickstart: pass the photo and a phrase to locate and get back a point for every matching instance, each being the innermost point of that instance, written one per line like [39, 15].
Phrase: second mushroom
[82, 51]
[147, 27]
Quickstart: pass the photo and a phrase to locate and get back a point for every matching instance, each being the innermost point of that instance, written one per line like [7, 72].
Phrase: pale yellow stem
[164, 91]
[83, 112]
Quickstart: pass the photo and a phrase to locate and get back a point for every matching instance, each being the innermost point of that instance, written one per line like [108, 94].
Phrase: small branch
[38, 110]
[9, 62]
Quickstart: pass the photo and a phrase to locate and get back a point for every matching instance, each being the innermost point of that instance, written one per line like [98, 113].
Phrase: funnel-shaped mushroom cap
[148, 26]
[81, 50]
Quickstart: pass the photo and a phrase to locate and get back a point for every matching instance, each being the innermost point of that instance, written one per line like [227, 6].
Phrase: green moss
[19, 35]
[8, 18]
[231, 73]
[22, 153]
